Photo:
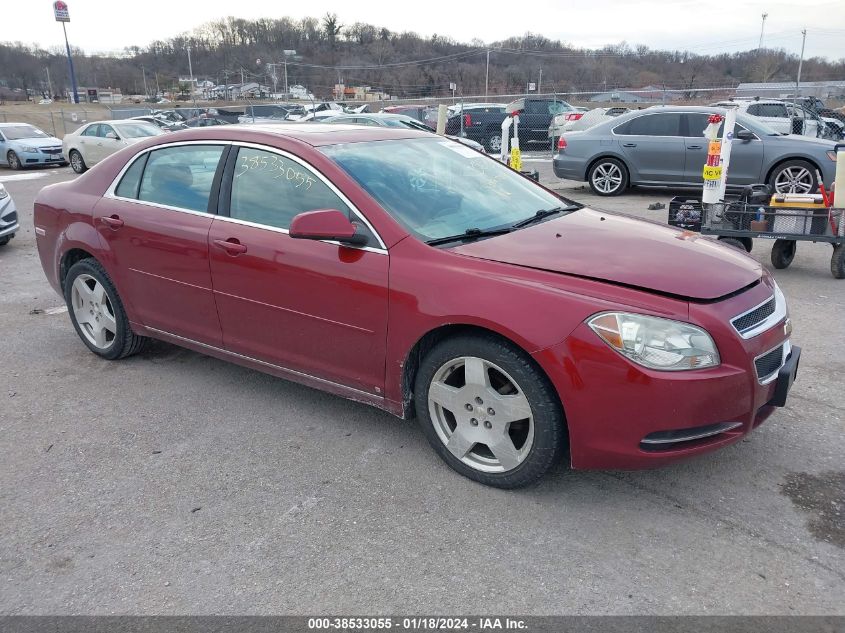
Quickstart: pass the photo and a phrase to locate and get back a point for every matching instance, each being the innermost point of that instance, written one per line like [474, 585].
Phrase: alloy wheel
[794, 179]
[93, 311]
[76, 162]
[481, 415]
[494, 144]
[14, 161]
[607, 177]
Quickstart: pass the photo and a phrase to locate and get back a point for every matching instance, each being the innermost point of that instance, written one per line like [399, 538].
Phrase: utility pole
[487, 75]
[144, 73]
[190, 69]
[540, 81]
[800, 61]
[286, 77]
[762, 28]
[49, 83]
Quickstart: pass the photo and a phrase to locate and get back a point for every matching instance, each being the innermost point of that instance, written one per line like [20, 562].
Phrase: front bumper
[8, 218]
[42, 157]
[623, 416]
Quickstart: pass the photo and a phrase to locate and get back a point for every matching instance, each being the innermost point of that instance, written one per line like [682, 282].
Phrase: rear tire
[488, 411]
[77, 163]
[783, 252]
[493, 144]
[13, 160]
[837, 261]
[608, 177]
[97, 312]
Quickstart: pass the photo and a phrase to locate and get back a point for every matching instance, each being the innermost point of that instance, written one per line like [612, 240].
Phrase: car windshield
[18, 132]
[437, 188]
[137, 130]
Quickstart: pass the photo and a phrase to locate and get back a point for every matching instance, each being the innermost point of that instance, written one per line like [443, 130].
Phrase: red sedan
[409, 272]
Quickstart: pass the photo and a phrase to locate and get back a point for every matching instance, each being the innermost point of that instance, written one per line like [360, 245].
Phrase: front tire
[77, 163]
[794, 176]
[97, 312]
[488, 411]
[13, 160]
[734, 242]
[608, 177]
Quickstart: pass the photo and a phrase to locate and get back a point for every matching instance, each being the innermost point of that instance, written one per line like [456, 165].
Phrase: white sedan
[95, 141]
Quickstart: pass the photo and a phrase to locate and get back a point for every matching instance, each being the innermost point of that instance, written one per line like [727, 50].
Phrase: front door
[653, 147]
[746, 156]
[155, 225]
[311, 306]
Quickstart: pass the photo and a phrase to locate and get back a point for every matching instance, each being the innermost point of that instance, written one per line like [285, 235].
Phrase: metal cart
[737, 222]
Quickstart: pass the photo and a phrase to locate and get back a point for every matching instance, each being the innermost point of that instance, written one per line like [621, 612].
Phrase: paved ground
[175, 483]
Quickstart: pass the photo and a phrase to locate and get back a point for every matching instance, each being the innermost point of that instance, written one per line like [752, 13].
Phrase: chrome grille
[755, 317]
[769, 363]
[51, 150]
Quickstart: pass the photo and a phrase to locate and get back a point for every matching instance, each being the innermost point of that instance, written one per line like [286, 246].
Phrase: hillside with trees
[403, 64]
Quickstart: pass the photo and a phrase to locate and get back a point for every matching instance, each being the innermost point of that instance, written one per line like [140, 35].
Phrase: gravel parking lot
[175, 483]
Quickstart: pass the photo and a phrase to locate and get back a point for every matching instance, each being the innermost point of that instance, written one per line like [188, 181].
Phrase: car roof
[16, 123]
[314, 134]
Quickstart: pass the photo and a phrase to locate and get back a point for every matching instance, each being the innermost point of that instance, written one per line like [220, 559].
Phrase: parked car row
[788, 118]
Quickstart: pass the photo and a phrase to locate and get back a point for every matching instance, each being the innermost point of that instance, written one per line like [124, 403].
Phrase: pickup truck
[535, 116]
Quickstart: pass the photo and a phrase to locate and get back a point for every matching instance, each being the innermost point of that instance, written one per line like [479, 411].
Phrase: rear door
[653, 147]
[87, 143]
[746, 156]
[155, 224]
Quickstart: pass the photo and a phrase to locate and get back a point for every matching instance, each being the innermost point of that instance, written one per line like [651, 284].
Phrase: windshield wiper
[468, 235]
[543, 213]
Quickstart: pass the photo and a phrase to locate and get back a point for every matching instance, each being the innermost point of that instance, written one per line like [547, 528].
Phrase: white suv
[780, 115]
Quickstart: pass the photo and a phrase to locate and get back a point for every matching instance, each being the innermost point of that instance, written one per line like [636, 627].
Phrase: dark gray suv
[665, 146]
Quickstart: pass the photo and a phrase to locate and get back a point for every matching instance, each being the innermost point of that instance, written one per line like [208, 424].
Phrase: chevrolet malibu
[408, 272]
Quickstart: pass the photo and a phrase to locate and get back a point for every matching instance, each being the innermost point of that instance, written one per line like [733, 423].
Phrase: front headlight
[656, 343]
[28, 149]
[3, 192]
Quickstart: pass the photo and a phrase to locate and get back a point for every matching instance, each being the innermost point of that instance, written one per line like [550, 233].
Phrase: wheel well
[594, 161]
[786, 160]
[429, 340]
[69, 259]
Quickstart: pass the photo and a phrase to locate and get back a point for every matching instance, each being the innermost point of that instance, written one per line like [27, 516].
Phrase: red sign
[61, 11]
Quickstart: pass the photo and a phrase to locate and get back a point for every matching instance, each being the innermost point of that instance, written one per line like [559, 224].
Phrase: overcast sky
[695, 25]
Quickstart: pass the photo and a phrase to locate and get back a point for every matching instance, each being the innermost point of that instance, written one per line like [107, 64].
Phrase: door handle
[112, 221]
[694, 146]
[629, 144]
[231, 246]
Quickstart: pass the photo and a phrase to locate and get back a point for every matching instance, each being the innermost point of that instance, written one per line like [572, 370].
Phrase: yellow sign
[714, 148]
[712, 173]
[516, 159]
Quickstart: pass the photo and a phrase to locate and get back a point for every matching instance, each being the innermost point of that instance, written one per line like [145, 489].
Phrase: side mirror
[745, 135]
[112, 136]
[326, 224]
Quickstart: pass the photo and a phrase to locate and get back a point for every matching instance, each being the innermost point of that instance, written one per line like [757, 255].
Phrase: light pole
[762, 28]
[487, 75]
[190, 69]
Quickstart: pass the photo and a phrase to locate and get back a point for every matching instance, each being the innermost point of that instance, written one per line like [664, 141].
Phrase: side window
[667, 124]
[558, 107]
[695, 124]
[181, 176]
[131, 181]
[92, 130]
[105, 129]
[270, 189]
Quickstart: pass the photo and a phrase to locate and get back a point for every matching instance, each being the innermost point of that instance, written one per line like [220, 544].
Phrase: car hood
[802, 140]
[625, 251]
[39, 142]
